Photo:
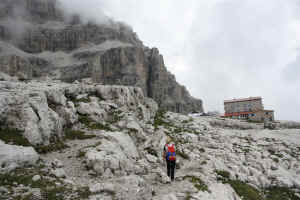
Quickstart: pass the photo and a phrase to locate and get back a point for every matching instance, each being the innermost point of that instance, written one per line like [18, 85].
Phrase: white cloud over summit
[219, 49]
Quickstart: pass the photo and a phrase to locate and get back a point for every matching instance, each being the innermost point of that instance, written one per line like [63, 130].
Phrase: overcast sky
[219, 49]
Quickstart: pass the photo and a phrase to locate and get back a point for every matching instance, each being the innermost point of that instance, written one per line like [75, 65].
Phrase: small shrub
[57, 146]
[223, 175]
[80, 154]
[198, 183]
[13, 136]
[159, 119]
[90, 123]
[280, 193]
[80, 135]
[98, 126]
[116, 116]
[84, 192]
[84, 119]
[246, 191]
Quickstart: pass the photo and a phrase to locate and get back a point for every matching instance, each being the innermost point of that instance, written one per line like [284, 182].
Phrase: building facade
[248, 108]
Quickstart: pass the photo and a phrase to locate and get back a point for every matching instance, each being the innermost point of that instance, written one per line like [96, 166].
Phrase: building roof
[241, 100]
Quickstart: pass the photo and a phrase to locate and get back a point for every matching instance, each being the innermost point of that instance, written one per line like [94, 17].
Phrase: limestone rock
[36, 178]
[59, 173]
[12, 157]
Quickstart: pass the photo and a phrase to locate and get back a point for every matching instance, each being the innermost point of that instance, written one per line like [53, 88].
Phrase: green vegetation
[13, 136]
[84, 193]
[197, 182]
[116, 116]
[91, 124]
[47, 185]
[77, 101]
[188, 196]
[57, 146]
[245, 190]
[280, 193]
[159, 119]
[248, 192]
[77, 135]
[275, 160]
[223, 175]
[81, 154]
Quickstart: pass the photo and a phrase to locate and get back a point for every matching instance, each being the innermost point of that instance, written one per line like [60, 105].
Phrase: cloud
[219, 49]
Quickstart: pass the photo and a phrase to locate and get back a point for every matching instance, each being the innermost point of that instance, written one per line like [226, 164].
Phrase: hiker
[170, 156]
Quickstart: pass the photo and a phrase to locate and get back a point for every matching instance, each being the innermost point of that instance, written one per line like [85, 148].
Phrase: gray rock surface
[40, 110]
[12, 157]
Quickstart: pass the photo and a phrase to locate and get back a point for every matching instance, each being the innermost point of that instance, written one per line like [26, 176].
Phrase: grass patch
[188, 196]
[116, 116]
[223, 175]
[13, 136]
[159, 119]
[91, 124]
[246, 191]
[77, 135]
[77, 101]
[57, 146]
[47, 185]
[81, 154]
[280, 193]
[84, 192]
[197, 182]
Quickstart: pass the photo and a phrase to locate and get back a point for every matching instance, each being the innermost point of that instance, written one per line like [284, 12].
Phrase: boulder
[12, 157]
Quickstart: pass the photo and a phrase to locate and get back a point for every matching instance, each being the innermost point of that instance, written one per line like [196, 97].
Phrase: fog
[218, 49]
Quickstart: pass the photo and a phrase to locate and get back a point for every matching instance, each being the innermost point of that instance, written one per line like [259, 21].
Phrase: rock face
[40, 110]
[40, 40]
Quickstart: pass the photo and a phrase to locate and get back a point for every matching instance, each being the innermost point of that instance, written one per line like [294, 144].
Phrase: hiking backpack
[171, 155]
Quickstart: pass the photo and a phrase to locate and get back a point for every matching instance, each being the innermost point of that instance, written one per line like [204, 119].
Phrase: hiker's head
[168, 140]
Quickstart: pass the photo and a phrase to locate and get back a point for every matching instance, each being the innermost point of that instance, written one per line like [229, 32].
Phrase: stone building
[248, 108]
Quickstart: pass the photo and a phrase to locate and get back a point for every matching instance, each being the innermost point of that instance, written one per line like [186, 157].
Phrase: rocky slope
[39, 40]
[91, 141]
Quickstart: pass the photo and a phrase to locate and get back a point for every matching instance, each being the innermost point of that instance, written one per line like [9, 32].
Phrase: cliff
[39, 40]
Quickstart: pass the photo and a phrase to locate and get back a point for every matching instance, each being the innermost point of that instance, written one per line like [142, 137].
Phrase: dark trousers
[171, 168]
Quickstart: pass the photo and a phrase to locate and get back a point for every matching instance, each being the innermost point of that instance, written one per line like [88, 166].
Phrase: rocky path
[72, 163]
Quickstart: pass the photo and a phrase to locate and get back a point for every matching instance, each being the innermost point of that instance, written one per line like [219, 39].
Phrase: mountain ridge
[109, 53]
